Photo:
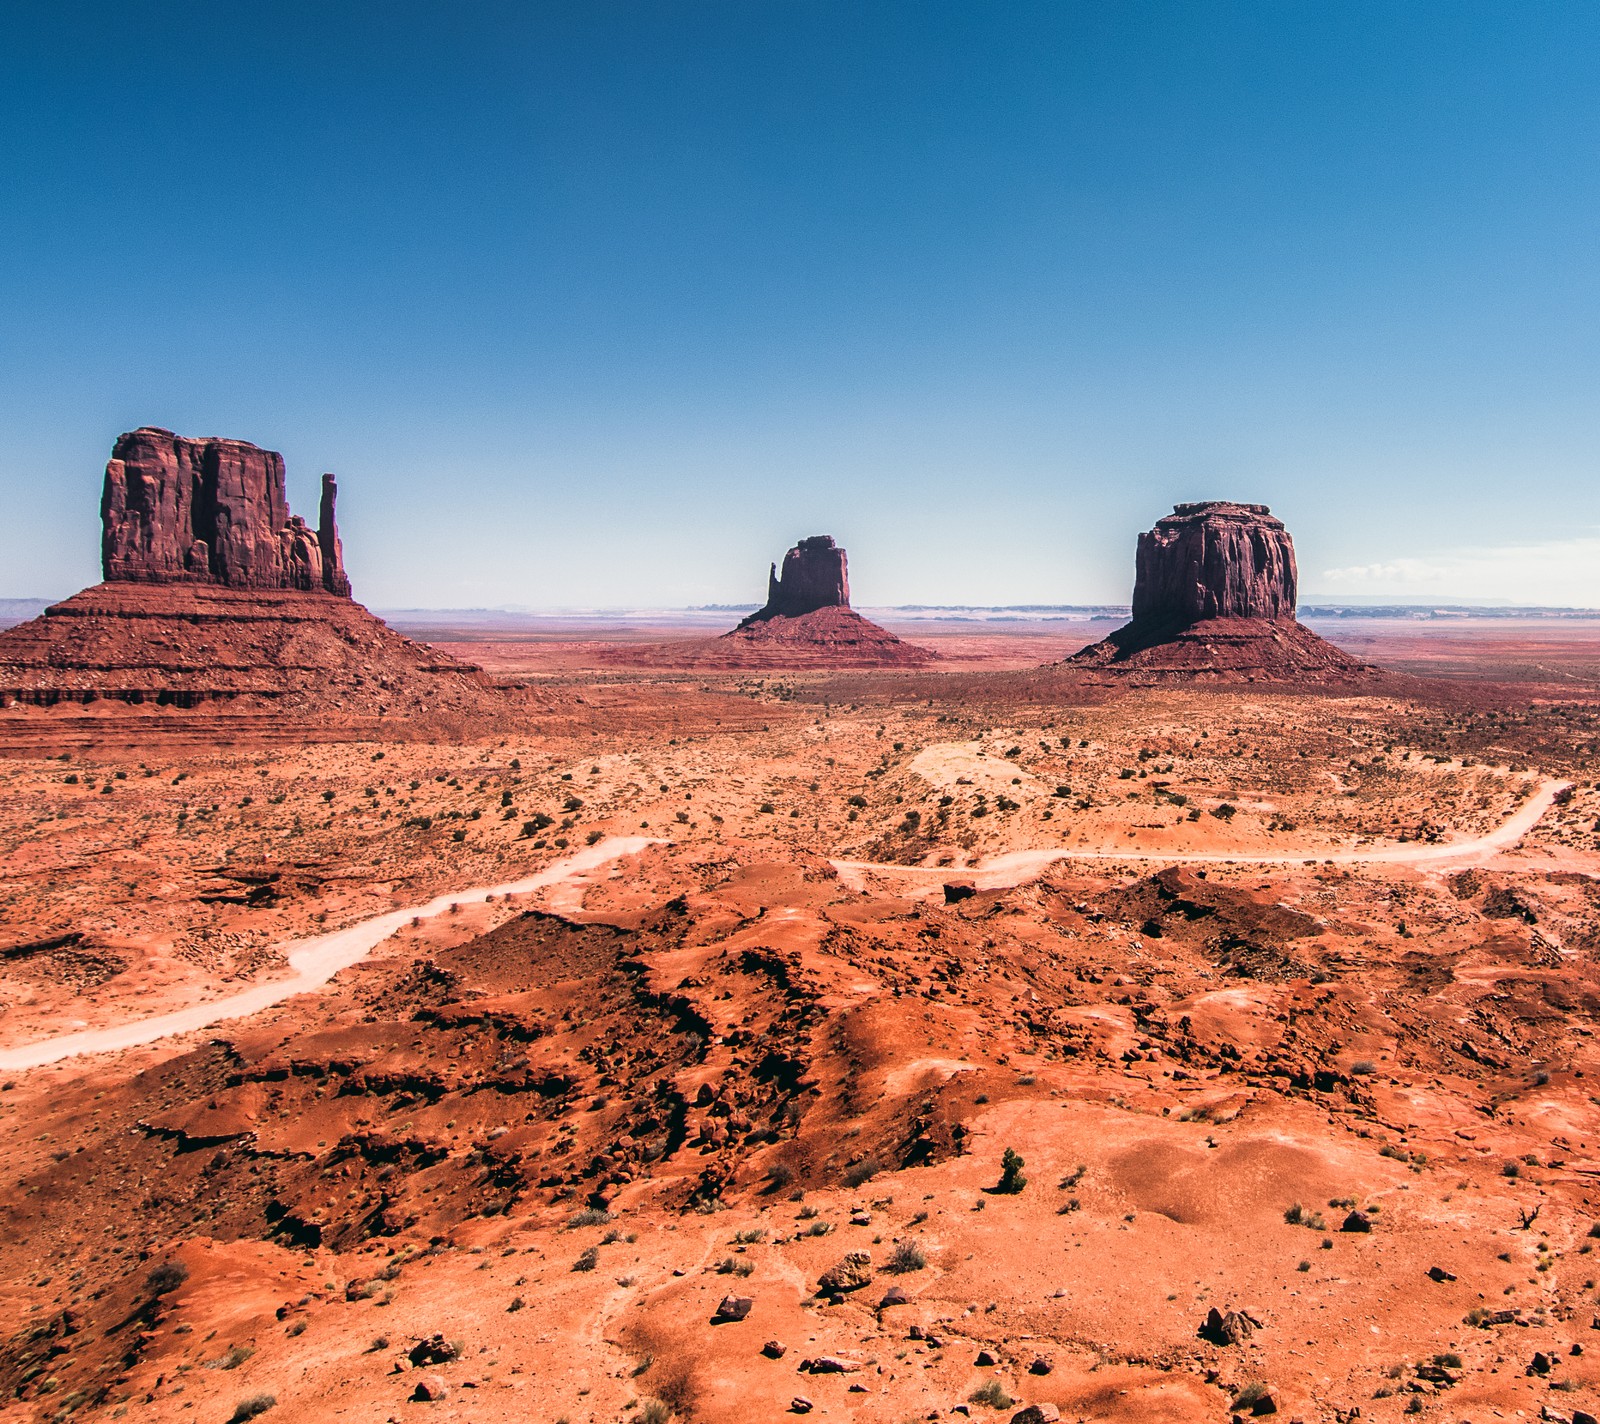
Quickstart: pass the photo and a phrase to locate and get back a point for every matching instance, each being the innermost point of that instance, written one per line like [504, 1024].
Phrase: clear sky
[608, 303]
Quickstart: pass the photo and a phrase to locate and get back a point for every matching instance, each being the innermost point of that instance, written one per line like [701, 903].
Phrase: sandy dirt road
[314, 962]
[1001, 871]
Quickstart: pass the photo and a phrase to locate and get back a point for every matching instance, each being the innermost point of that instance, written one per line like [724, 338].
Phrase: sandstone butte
[214, 593]
[806, 622]
[1214, 596]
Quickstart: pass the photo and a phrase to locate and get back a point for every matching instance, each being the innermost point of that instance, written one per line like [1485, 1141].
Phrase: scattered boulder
[800, 1405]
[432, 1350]
[1036, 1414]
[1356, 1221]
[732, 1307]
[986, 1358]
[895, 1295]
[1042, 1365]
[1231, 1327]
[831, 1365]
[1438, 1273]
[430, 1389]
[1541, 1364]
[853, 1272]
[774, 1349]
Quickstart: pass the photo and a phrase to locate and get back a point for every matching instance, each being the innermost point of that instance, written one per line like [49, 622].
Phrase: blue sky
[607, 304]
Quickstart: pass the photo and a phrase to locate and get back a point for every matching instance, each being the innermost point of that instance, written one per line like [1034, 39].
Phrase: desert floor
[673, 988]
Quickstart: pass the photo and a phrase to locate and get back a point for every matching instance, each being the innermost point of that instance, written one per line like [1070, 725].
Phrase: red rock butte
[215, 593]
[808, 620]
[1214, 596]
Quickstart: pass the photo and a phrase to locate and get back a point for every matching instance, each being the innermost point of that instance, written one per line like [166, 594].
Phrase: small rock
[849, 1274]
[985, 1357]
[774, 1349]
[834, 1365]
[1438, 1273]
[1036, 1414]
[430, 1390]
[1582, 1416]
[861, 1218]
[732, 1307]
[1231, 1327]
[894, 1296]
[1041, 1366]
[914, 1333]
[1541, 1364]
[800, 1405]
[433, 1350]
[1356, 1221]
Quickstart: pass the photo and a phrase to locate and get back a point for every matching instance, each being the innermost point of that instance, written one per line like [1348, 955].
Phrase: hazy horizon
[610, 305]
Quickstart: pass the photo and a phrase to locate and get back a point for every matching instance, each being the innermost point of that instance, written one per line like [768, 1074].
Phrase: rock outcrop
[215, 594]
[1214, 595]
[815, 575]
[176, 510]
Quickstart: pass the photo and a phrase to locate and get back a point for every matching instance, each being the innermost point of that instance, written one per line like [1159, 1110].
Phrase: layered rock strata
[1214, 595]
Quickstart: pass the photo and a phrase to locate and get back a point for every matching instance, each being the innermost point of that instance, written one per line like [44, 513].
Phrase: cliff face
[1214, 560]
[176, 510]
[814, 576]
[1214, 596]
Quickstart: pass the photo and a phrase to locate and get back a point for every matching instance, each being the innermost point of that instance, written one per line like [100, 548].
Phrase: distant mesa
[1214, 594]
[807, 622]
[808, 616]
[215, 593]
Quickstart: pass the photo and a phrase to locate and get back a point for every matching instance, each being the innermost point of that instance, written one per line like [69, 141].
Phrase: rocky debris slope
[176, 510]
[215, 593]
[770, 1077]
[1214, 594]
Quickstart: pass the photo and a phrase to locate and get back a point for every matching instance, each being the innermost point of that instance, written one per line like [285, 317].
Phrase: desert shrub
[1448, 1361]
[750, 1237]
[859, 1173]
[906, 1256]
[731, 1266]
[1511, 1169]
[1011, 1178]
[1225, 812]
[166, 1278]
[594, 837]
[818, 1228]
[249, 1408]
[1363, 1068]
[1250, 1396]
[654, 1411]
[992, 1393]
[589, 1216]
[588, 1261]
[231, 1358]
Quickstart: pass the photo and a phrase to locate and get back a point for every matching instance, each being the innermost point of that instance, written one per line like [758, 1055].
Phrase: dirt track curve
[315, 961]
